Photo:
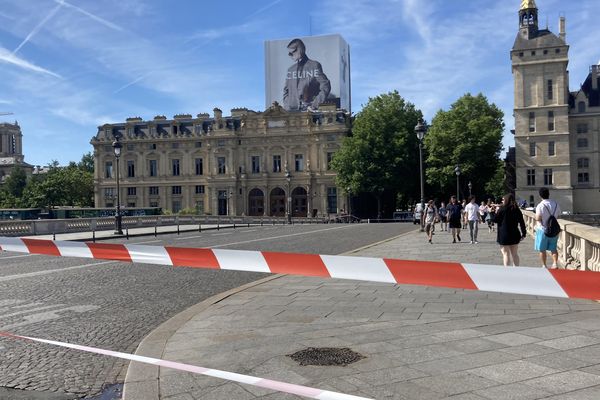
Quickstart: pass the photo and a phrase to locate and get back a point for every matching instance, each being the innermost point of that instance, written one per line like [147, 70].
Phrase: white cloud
[9, 58]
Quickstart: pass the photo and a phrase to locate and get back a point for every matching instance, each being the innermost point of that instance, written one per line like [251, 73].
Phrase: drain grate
[340, 356]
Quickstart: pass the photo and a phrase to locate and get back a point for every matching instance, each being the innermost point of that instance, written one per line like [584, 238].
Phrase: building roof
[543, 38]
[527, 4]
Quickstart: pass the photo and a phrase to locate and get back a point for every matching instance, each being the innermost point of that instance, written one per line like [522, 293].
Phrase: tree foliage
[468, 135]
[15, 182]
[381, 149]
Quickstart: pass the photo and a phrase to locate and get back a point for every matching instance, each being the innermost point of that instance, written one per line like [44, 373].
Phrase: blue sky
[68, 66]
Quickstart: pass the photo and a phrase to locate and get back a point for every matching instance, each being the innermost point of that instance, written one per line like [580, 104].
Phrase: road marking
[50, 271]
[221, 234]
[271, 238]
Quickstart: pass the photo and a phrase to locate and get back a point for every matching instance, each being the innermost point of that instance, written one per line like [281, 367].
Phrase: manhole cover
[326, 356]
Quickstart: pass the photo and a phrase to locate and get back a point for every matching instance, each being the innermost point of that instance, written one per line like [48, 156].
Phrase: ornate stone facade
[556, 131]
[249, 163]
[11, 150]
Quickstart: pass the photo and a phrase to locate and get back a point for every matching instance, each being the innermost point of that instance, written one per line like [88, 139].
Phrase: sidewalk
[418, 342]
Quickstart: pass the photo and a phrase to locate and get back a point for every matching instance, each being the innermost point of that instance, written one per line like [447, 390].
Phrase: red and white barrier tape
[278, 386]
[493, 278]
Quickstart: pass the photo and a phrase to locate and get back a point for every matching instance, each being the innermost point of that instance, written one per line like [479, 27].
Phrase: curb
[142, 380]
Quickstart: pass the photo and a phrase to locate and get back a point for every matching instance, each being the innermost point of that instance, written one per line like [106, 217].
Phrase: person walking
[472, 212]
[454, 218]
[543, 242]
[509, 219]
[443, 217]
[430, 216]
[464, 214]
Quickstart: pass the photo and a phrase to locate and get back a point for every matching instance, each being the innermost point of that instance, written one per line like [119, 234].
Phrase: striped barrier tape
[493, 278]
[278, 386]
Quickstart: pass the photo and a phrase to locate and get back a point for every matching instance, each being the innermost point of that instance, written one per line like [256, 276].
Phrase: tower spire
[528, 19]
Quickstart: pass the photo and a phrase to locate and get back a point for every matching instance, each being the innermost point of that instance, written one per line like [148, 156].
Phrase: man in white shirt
[543, 243]
[472, 211]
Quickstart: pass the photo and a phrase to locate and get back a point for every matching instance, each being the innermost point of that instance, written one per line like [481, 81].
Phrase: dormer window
[581, 106]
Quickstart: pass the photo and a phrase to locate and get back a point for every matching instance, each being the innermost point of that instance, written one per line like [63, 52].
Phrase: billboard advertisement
[304, 72]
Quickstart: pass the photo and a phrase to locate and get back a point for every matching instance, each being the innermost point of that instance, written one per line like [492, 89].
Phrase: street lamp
[457, 172]
[288, 178]
[349, 204]
[118, 219]
[420, 130]
[470, 185]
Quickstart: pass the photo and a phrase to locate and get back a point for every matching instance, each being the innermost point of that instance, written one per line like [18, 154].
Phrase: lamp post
[457, 172]
[349, 204]
[420, 130]
[118, 219]
[470, 185]
[288, 178]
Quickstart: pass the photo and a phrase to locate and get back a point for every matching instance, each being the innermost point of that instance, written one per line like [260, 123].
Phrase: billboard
[304, 72]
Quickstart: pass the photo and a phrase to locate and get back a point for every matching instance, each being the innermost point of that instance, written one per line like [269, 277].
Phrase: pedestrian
[472, 212]
[430, 217]
[543, 242]
[443, 217]
[464, 214]
[483, 209]
[491, 216]
[454, 218]
[509, 219]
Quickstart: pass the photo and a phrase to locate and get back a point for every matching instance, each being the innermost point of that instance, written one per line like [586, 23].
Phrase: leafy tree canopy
[470, 135]
[381, 149]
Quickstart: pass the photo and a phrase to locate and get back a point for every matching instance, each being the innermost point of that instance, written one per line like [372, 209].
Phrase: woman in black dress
[509, 219]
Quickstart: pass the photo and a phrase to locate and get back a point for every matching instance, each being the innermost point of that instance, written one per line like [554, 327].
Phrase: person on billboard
[306, 86]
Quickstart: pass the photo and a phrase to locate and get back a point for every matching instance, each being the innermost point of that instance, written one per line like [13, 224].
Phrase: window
[583, 177]
[551, 149]
[198, 145]
[582, 128]
[153, 167]
[109, 192]
[108, 169]
[332, 200]
[548, 176]
[152, 146]
[329, 160]
[550, 120]
[221, 165]
[199, 166]
[531, 177]
[582, 143]
[255, 164]
[174, 145]
[154, 204]
[549, 90]
[277, 163]
[130, 146]
[131, 191]
[175, 165]
[130, 169]
[521, 54]
[153, 190]
[533, 53]
[131, 204]
[175, 189]
[581, 106]
[532, 149]
[532, 122]
[199, 189]
[557, 51]
[299, 162]
[221, 142]
[176, 206]
[583, 163]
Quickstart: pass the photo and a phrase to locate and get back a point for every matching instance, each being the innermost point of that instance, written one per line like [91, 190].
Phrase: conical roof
[527, 4]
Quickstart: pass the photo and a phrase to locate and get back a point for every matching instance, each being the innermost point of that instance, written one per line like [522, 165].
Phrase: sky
[69, 66]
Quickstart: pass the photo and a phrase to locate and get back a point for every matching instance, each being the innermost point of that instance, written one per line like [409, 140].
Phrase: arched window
[581, 106]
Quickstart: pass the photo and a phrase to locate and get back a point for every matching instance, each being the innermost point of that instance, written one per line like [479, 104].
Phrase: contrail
[37, 28]
[131, 83]
[92, 16]
[8, 57]
[263, 9]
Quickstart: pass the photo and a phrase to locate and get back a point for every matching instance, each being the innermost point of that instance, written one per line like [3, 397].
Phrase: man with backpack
[547, 229]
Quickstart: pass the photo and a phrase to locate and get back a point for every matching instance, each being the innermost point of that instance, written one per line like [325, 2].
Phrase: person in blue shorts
[544, 243]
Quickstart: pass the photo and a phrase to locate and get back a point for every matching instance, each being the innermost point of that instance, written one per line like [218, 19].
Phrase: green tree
[87, 163]
[470, 135]
[61, 186]
[16, 181]
[496, 187]
[381, 150]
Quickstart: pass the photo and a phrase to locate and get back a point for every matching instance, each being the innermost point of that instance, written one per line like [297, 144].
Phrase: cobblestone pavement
[418, 342]
[115, 305]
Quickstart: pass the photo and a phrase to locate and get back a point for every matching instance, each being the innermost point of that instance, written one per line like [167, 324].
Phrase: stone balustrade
[578, 244]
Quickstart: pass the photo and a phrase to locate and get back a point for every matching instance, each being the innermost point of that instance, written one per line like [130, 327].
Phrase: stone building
[11, 150]
[249, 163]
[556, 130]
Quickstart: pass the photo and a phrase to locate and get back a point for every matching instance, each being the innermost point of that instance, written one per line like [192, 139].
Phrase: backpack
[552, 227]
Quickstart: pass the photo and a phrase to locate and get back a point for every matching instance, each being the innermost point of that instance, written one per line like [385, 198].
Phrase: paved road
[115, 305]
